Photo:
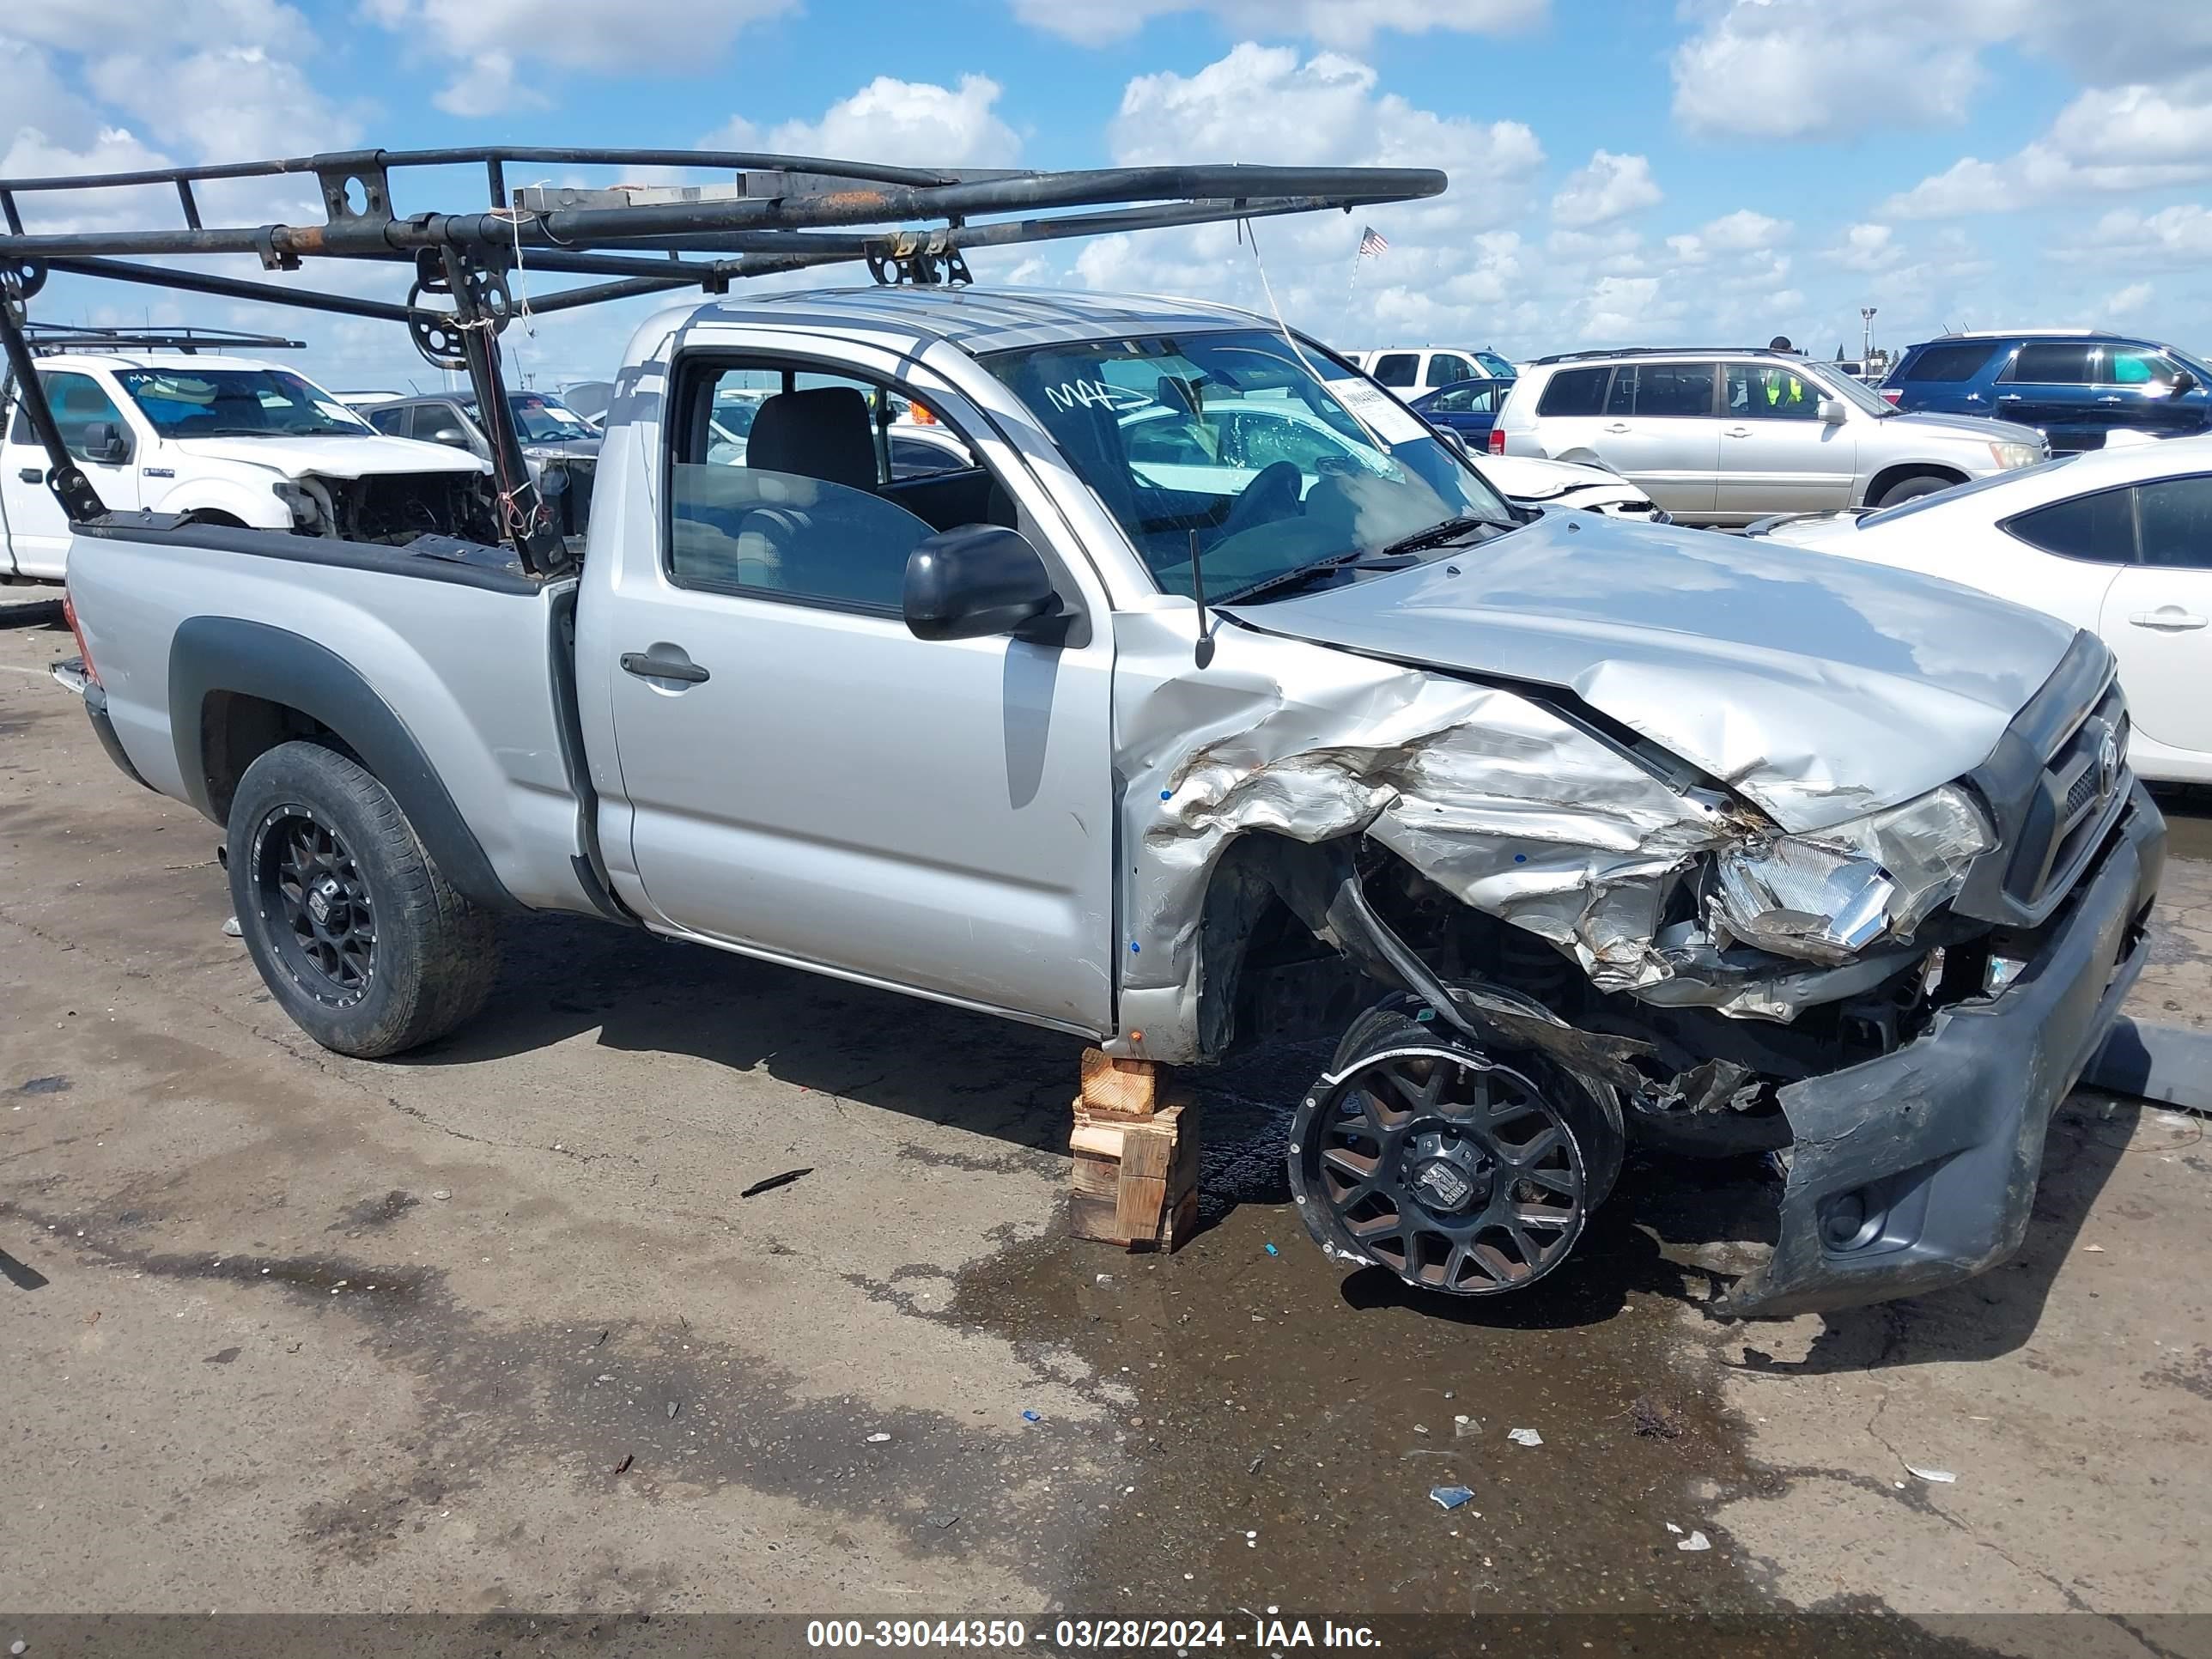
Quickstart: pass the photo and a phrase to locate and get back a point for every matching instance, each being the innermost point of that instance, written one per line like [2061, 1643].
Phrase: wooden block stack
[1136, 1156]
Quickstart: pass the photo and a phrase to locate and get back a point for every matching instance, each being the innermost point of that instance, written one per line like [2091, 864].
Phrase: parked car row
[2077, 386]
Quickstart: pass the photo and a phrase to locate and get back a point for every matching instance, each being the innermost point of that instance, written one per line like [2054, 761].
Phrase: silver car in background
[1725, 437]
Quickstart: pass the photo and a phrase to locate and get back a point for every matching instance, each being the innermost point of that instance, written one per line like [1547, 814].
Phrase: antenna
[1203, 655]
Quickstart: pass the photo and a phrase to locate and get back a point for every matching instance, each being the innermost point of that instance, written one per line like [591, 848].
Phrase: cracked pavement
[543, 1319]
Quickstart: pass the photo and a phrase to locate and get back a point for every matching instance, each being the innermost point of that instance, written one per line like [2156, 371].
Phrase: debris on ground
[1272, 1250]
[773, 1182]
[1941, 1477]
[1032, 1417]
[1449, 1498]
[442, 1193]
[1524, 1436]
[622, 1468]
[231, 929]
[44, 1086]
[1672, 1528]
[2094, 1249]
[674, 1405]
[941, 1519]
[1694, 1542]
[1652, 1420]
[1464, 1425]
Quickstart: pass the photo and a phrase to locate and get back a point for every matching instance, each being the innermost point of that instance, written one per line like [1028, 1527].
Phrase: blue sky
[1624, 170]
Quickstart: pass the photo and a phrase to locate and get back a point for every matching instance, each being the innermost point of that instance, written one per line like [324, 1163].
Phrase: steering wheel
[1277, 493]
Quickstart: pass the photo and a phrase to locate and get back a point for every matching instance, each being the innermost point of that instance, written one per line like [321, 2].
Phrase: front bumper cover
[1919, 1169]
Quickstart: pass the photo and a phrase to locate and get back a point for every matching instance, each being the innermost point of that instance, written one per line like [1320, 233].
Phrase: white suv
[1724, 437]
[1408, 371]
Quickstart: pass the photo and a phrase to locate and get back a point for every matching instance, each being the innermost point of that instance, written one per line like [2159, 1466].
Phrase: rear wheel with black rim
[355, 930]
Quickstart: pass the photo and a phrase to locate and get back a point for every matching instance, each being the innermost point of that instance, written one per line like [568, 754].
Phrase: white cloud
[493, 43]
[2132, 298]
[1864, 247]
[1609, 188]
[1744, 231]
[2173, 238]
[903, 122]
[229, 102]
[1332, 23]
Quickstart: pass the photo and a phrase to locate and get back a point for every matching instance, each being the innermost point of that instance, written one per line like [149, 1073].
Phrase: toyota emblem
[2108, 763]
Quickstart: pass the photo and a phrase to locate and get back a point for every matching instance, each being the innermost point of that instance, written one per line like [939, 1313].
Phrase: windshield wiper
[1438, 534]
[1299, 576]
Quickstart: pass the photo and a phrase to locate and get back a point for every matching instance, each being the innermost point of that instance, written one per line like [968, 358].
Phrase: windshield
[1495, 366]
[237, 403]
[1957, 492]
[542, 419]
[1840, 384]
[1232, 436]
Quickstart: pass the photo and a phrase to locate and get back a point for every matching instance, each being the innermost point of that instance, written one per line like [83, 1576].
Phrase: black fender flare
[212, 654]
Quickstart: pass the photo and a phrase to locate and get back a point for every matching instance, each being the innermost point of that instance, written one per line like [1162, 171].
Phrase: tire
[1395, 1164]
[1912, 486]
[357, 931]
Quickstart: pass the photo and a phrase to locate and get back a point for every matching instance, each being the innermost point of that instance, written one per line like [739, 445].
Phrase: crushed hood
[1529, 478]
[1821, 687]
[350, 457]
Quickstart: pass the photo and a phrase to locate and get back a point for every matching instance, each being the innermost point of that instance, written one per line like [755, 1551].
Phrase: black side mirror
[104, 441]
[2183, 383]
[975, 580]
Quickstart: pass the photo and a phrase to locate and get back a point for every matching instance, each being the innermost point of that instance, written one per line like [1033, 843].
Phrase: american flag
[1372, 241]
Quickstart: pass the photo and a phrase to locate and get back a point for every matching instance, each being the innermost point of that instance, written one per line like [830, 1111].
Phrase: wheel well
[236, 730]
[1890, 477]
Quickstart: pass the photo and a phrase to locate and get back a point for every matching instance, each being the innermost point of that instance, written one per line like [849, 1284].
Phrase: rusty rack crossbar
[782, 213]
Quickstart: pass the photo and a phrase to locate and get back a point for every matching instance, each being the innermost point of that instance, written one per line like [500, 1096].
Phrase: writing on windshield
[1274, 459]
[236, 403]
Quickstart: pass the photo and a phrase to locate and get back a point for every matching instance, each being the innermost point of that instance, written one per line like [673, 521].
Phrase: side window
[1574, 391]
[1950, 363]
[392, 423]
[797, 515]
[1768, 391]
[2139, 366]
[2100, 528]
[2051, 365]
[78, 402]
[1445, 367]
[1395, 367]
[1467, 400]
[1621, 400]
[2175, 515]
[1674, 389]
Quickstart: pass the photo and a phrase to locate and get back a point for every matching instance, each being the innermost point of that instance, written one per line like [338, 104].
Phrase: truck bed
[469, 658]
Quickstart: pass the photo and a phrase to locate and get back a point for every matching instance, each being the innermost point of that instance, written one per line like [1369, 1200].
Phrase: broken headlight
[1826, 898]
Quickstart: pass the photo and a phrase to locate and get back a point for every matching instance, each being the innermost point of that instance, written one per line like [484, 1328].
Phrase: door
[804, 777]
[1399, 370]
[2138, 389]
[102, 442]
[1658, 430]
[2156, 614]
[2048, 386]
[1468, 408]
[1777, 454]
[1447, 368]
[2074, 550]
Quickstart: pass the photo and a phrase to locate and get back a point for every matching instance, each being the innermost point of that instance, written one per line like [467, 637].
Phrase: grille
[2075, 798]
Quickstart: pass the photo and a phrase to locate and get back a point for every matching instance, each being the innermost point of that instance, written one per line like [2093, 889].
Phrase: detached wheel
[1459, 1172]
[355, 929]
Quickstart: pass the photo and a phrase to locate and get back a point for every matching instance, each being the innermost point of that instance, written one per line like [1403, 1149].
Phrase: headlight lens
[1826, 898]
[2012, 455]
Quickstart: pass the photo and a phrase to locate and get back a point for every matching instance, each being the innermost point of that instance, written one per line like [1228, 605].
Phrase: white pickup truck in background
[221, 440]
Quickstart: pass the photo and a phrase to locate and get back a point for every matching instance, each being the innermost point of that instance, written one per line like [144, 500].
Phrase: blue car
[2075, 387]
[1467, 407]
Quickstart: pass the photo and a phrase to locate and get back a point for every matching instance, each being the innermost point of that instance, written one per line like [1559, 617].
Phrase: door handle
[2171, 617]
[1617, 425]
[31, 474]
[662, 668]
[2007, 397]
[1735, 432]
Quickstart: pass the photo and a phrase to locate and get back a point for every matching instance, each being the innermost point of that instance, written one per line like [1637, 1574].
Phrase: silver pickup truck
[1636, 833]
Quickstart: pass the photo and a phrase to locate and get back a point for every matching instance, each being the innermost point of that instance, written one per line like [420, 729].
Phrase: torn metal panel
[1499, 801]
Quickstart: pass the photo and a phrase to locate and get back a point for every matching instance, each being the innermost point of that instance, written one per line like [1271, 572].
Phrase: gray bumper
[1919, 1169]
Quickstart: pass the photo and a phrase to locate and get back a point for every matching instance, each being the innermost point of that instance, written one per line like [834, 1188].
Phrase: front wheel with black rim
[357, 931]
[1461, 1173]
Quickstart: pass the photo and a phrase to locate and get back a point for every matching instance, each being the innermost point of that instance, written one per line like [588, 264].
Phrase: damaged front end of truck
[1682, 900]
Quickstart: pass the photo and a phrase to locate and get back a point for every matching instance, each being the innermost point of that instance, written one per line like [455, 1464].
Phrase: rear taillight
[1890, 396]
[84, 651]
[1497, 441]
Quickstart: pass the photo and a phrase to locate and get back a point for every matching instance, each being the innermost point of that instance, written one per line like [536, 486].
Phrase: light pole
[1866, 340]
